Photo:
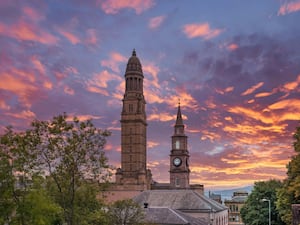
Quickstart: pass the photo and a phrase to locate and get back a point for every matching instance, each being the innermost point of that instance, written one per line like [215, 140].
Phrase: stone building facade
[234, 206]
[133, 174]
[182, 201]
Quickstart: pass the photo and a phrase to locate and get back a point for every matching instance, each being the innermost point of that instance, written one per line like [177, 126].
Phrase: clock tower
[179, 157]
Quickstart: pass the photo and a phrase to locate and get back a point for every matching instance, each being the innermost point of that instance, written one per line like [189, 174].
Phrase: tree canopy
[256, 210]
[290, 192]
[65, 157]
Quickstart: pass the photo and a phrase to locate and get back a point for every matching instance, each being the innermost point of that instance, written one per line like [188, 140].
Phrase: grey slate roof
[183, 200]
[168, 216]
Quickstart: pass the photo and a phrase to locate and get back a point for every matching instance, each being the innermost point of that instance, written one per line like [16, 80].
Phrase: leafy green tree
[6, 180]
[71, 152]
[38, 207]
[290, 192]
[125, 212]
[17, 161]
[255, 211]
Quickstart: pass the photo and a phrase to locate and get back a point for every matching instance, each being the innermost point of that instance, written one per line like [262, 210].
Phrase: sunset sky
[234, 65]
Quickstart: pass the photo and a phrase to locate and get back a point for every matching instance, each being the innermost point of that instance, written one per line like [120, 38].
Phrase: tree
[38, 207]
[71, 152]
[17, 161]
[6, 180]
[255, 211]
[290, 192]
[68, 153]
[125, 212]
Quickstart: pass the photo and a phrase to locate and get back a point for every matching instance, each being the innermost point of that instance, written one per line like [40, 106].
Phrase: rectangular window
[130, 107]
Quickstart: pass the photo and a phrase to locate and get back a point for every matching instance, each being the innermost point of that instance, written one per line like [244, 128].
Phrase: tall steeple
[133, 169]
[179, 157]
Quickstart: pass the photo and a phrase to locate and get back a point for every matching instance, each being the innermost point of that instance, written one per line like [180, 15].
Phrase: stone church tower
[179, 157]
[133, 173]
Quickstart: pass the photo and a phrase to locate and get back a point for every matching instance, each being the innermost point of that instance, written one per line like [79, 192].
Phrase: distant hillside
[227, 194]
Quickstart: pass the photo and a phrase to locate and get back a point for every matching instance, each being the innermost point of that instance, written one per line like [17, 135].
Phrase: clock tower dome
[179, 157]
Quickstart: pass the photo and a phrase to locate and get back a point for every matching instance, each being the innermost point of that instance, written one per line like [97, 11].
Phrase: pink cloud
[32, 14]
[99, 82]
[91, 38]
[113, 61]
[68, 35]
[3, 105]
[48, 85]
[69, 90]
[232, 47]
[155, 22]
[27, 32]
[113, 7]
[25, 114]
[202, 30]
[38, 65]
[153, 71]
[289, 7]
[18, 86]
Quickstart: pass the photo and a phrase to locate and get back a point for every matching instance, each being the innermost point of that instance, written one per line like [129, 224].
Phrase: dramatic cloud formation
[237, 77]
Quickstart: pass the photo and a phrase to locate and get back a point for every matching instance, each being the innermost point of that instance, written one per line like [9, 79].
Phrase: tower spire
[179, 120]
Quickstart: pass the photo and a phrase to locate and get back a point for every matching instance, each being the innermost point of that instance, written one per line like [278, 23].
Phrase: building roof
[165, 216]
[183, 200]
[237, 199]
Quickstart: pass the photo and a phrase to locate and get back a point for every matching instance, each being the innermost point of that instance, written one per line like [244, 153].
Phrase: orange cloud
[207, 135]
[155, 22]
[113, 7]
[201, 30]
[252, 89]
[286, 104]
[27, 32]
[289, 7]
[161, 117]
[263, 94]
[292, 85]
[249, 113]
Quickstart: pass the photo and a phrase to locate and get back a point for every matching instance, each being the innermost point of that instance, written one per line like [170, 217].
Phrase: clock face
[177, 162]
